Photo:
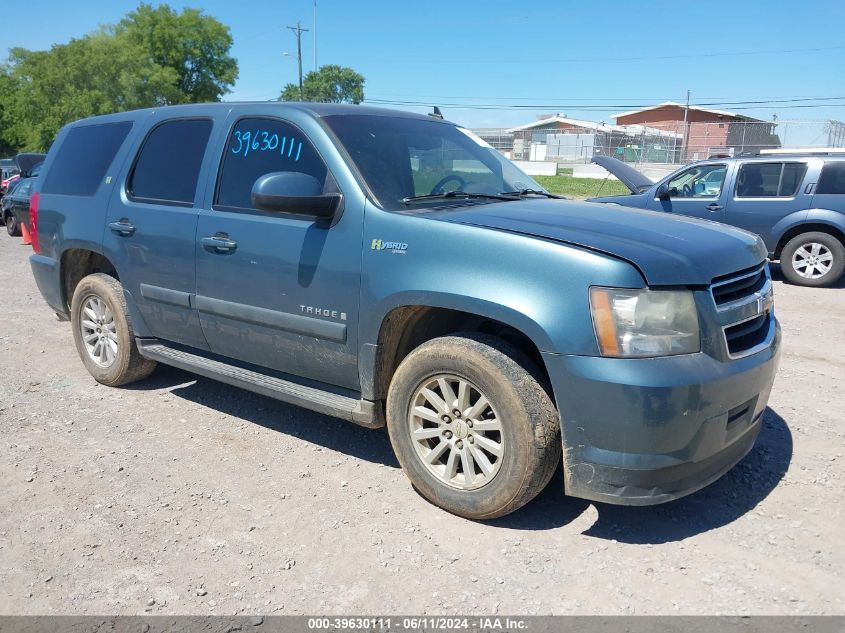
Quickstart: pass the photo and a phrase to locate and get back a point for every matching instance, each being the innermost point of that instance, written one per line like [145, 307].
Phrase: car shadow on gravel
[322, 430]
[719, 504]
[722, 502]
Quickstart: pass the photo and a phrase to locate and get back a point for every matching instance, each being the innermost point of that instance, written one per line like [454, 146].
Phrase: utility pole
[299, 31]
[686, 130]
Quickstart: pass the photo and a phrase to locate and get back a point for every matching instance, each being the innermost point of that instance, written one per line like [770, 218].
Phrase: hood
[628, 176]
[668, 250]
[26, 162]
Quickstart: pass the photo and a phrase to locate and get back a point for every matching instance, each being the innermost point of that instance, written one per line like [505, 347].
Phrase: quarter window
[701, 181]
[168, 164]
[769, 180]
[832, 179]
[260, 146]
[24, 188]
[82, 160]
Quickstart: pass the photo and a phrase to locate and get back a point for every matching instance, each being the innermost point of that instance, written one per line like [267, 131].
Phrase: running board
[362, 412]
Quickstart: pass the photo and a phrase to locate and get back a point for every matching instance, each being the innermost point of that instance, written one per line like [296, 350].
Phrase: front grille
[738, 287]
[747, 335]
[744, 309]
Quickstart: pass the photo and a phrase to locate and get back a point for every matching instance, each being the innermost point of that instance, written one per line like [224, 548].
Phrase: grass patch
[564, 184]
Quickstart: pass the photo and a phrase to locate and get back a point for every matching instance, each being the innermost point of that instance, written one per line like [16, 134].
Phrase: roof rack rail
[823, 151]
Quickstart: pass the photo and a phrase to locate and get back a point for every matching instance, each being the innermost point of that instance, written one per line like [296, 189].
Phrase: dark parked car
[15, 204]
[393, 269]
[795, 202]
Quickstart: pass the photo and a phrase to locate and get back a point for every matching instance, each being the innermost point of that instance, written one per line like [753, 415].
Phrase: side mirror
[663, 192]
[296, 193]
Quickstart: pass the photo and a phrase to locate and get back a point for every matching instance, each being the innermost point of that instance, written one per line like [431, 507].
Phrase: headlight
[643, 323]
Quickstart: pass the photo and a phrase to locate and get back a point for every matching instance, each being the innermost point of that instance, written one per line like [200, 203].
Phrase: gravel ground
[183, 495]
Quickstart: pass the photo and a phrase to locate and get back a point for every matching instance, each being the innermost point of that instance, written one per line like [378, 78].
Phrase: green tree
[8, 87]
[330, 84]
[195, 46]
[97, 74]
[154, 57]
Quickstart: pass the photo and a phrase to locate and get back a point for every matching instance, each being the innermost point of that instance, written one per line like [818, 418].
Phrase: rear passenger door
[277, 290]
[151, 227]
[764, 194]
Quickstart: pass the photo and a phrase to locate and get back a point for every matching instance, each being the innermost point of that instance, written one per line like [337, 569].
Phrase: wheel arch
[78, 262]
[809, 226]
[405, 327]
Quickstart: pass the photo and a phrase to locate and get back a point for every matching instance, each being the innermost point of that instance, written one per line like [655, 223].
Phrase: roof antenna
[436, 113]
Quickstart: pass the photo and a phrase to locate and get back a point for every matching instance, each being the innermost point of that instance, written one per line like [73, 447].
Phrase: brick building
[707, 131]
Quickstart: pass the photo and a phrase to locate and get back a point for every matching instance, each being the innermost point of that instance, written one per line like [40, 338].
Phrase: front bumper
[647, 431]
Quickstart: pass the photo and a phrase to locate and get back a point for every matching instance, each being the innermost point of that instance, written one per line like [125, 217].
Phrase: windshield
[403, 158]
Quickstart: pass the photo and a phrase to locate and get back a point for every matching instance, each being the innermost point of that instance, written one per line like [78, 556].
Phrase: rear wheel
[472, 425]
[102, 331]
[813, 259]
[12, 227]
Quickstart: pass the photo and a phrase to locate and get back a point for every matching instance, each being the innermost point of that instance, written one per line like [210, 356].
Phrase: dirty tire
[834, 247]
[12, 226]
[128, 365]
[515, 387]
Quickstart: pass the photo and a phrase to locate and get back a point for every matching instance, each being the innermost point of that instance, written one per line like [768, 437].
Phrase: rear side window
[769, 180]
[260, 146]
[82, 160]
[832, 179]
[168, 164]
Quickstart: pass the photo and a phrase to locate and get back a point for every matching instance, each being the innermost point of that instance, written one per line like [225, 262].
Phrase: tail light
[33, 221]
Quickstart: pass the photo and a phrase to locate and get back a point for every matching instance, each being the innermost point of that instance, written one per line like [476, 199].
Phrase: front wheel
[813, 259]
[472, 426]
[102, 331]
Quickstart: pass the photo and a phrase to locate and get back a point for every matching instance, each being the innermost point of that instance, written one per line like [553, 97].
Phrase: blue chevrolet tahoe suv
[795, 202]
[392, 269]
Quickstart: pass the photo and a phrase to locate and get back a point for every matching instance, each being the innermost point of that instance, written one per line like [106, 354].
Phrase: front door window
[700, 181]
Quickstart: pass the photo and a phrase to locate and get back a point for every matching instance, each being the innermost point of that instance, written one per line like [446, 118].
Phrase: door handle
[220, 244]
[123, 228]
[714, 207]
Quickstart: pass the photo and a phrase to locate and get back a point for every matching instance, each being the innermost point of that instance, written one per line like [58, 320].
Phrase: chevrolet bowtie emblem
[764, 303]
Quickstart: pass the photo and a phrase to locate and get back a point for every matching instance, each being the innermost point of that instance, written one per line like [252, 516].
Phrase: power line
[241, 40]
[580, 60]
[561, 100]
[736, 105]
[568, 99]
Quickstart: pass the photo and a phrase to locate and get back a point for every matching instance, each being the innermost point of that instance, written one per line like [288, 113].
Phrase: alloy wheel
[99, 331]
[456, 432]
[812, 260]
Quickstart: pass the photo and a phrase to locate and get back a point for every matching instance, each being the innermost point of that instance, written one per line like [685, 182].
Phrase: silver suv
[795, 202]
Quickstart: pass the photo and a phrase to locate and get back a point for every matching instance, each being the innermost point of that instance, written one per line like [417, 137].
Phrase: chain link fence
[661, 142]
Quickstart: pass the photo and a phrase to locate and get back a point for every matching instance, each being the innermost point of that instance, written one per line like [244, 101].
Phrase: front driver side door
[278, 290]
[699, 191]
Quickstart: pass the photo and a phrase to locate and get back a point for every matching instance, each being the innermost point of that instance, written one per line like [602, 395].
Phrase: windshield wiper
[532, 192]
[455, 194]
